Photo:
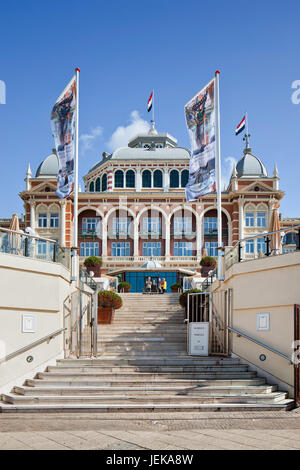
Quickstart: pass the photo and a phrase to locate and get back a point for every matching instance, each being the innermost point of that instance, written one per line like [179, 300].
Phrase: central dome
[151, 264]
[48, 168]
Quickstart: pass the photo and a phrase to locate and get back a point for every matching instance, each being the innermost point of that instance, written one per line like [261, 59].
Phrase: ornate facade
[133, 206]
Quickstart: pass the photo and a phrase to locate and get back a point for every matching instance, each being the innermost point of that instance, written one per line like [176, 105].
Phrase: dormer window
[146, 146]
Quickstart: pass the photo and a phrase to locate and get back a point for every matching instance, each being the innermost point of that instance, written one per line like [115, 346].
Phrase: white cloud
[123, 134]
[87, 140]
[227, 171]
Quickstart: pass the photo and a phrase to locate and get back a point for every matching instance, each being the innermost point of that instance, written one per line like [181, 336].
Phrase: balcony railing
[92, 233]
[183, 234]
[214, 232]
[22, 244]
[118, 234]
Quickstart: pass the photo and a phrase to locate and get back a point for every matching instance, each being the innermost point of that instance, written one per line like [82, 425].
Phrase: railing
[22, 244]
[31, 345]
[236, 255]
[85, 278]
[259, 343]
[80, 324]
[209, 280]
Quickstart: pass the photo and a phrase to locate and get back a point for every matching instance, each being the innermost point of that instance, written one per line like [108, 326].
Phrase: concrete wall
[36, 288]
[268, 285]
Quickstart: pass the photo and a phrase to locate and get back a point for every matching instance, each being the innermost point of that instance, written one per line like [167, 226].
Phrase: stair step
[273, 397]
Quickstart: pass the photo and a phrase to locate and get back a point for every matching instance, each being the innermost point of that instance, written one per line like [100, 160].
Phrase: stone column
[104, 238]
[63, 223]
[166, 179]
[138, 180]
[135, 239]
[167, 240]
[32, 215]
[241, 218]
[199, 236]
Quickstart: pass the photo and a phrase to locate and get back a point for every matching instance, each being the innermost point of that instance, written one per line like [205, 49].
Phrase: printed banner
[63, 129]
[200, 120]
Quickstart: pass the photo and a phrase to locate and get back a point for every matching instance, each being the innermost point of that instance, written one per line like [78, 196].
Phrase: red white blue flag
[241, 126]
[149, 105]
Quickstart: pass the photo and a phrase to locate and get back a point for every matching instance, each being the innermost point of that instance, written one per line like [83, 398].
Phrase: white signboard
[198, 338]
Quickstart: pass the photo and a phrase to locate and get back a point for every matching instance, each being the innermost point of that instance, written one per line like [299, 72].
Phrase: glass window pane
[42, 221]
[119, 179]
[146, 179]
[184, 178]
[104, 182]
[158, 179]
[54, 220]
[130, 179]
[174, 179]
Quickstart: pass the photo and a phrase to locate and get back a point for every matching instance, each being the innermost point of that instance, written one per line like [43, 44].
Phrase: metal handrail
[25, 234]
[31, 345]
[260, 343]
[261, 235]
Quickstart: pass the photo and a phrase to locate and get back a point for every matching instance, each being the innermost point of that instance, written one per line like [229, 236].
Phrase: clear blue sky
[126, 48]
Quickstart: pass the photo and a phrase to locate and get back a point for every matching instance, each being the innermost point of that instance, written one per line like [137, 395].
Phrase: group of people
[151, 286]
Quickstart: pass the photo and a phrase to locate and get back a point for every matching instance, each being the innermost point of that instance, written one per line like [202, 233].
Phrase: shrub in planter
[124, 287]
[208, 261]
[183, 296]
[93, 263]
[176, 287]
[108, 302]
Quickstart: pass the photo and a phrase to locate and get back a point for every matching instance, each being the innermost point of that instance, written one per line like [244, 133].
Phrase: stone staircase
[143, 367]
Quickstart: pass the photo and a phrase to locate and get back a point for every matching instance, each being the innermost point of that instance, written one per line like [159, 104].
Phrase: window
[130, 179]
[174, 179]
[89, 249]
[90, 225]
[261, 245]
[119, 179]
[157, 179]
[290, 238]
[42, 248]
[146, 179]
[152, 249]
[183, 224]
[121, 225]
[184, 178]
[249, 247]
[152, 225]
[120, 249]
[42, 220]
[210, 225]
[261, 219]
[249, 219]
[183, 249]
[92, 187]
[211, 248]
[104, 182]
[97, 187]
[54, 220]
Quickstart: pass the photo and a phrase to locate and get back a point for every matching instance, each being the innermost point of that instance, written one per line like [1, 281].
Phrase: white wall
[36, 288]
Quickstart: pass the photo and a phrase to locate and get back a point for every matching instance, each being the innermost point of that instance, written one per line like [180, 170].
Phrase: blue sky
[126, 48]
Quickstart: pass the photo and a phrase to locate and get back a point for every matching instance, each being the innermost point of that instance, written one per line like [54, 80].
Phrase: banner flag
[63, 129]
[201, 123]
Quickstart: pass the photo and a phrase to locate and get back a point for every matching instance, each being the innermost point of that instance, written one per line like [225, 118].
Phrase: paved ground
[187, 431]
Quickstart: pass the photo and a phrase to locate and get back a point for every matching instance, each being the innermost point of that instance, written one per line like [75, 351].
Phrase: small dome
[151, 264]
[48, 168]
[250, 165]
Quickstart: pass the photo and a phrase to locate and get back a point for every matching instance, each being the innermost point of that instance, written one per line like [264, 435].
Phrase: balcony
[182, 234]
[118, 234]
[151, 234]
[89, 233]
[214, 232]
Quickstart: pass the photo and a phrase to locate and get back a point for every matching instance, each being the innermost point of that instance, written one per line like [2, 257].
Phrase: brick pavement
[165, 431]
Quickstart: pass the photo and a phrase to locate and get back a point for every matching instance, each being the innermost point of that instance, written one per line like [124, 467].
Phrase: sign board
[198, 338]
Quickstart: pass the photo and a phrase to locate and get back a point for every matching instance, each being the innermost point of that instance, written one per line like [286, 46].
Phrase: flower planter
[205, 270]
[96, 270]
[105, 315]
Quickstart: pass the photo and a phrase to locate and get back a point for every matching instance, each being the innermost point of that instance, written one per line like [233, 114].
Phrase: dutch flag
[241, 126]
[149, 105]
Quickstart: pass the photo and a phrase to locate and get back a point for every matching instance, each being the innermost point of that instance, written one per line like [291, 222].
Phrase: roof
[250, 165]
[48, 168]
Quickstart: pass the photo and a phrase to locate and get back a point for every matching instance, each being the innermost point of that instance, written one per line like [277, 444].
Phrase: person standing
[159, 286]
[148, 285]
[164, 285]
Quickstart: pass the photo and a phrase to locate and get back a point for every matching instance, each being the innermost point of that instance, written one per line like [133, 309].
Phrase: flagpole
[75, 241]
[218, 177]
[153, 105]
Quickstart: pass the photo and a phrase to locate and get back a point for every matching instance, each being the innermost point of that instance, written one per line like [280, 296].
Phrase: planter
[177, 289]
[105, 315]
[205, 270]
[96, 270]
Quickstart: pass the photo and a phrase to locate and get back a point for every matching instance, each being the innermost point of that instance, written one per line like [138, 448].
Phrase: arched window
[157, 179]
[130, 179]
[119, 179]
[97, 187]
[104, 182]
[184, 178]
[174, 179]
[92, 187]
[146, 179]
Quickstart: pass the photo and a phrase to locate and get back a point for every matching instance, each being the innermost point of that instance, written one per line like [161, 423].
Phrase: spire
[28, 174]
[152, 131]
[275, 172]
[276, 178]
[234, 172]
